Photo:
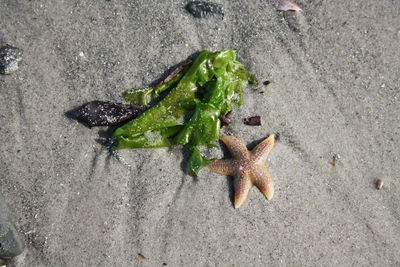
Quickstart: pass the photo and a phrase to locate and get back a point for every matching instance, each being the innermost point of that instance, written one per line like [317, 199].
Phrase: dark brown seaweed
[225, 118]
[102, 113]
[257, 90]
[176, 71]
[252, 121]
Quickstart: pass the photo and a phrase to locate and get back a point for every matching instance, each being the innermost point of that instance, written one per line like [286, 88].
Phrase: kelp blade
[143, 96]
[150, 139]
[197, 75]
[197, 161]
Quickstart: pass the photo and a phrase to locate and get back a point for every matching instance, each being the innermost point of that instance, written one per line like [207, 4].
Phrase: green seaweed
[143, 96]
[189, 114]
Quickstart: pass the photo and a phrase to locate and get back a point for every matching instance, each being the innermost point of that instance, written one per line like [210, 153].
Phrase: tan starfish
[247, 167]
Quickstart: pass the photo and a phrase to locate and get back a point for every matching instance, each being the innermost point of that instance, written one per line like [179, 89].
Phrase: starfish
[247, 167]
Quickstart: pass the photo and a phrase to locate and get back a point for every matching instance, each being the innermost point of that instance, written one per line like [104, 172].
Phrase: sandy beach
[333, 92]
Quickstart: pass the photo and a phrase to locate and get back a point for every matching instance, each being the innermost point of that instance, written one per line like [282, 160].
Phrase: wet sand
[334, 90]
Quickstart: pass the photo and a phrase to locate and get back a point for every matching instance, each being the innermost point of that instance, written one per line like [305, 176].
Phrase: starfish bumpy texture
[247, 167]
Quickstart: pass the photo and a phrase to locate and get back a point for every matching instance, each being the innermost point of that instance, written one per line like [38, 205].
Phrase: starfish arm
[235, 147]
[261, 151]
[262, 179]
[223, 166]
[241, 185]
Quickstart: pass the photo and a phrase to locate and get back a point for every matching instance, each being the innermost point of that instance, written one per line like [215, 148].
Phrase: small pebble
[11, 244]
[141, 256]
[378, 184]
[266, 82]
[202, 9]
[288, 6]
[9, 58]
[335, 159]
